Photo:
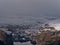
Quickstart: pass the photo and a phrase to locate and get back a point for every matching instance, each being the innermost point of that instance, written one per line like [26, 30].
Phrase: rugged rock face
[5, 39]
[47, 38]
[2, 37]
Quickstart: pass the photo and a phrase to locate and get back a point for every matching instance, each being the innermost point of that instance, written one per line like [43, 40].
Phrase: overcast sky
[17, 11]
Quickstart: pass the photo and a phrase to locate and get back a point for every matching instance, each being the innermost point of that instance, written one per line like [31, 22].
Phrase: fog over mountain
[29, 11]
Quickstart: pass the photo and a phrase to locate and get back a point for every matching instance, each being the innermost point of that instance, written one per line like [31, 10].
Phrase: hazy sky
[17, 11]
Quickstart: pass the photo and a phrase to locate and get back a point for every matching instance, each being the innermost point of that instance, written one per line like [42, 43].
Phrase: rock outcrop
[5, 39]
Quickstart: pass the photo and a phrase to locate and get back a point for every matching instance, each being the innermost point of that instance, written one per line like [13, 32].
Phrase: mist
[28, 11]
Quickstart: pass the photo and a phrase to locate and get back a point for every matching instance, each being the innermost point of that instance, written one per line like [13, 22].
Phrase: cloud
[28, 8]
[55, 23]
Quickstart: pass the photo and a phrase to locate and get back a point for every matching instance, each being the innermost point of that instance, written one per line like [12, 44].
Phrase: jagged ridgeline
[47, 36]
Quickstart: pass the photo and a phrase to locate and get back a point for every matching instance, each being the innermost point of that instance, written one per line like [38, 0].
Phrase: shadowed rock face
[3, 36]
[2, 43]
[5, 39]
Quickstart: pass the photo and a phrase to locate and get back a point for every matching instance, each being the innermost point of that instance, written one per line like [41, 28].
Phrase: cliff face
[5, 39]
[47, 38]
[3, 36]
